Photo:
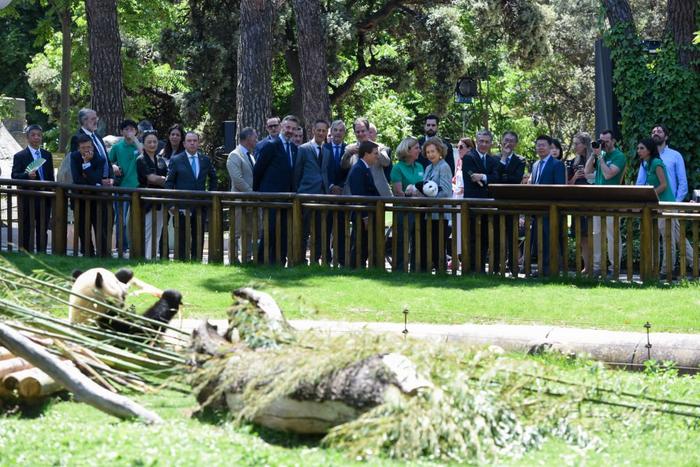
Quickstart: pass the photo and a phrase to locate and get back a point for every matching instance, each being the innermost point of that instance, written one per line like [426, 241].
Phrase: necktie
[251, 159]
[103, 155]
[319, 154]
[40, 172]
[540, 168]
[337, 153]
[289, 153]
[193, 163]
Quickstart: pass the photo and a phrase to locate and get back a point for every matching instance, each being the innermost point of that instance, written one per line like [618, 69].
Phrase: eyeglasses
[274, 125]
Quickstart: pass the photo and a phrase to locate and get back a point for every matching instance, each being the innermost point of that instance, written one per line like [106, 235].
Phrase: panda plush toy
[100, 284]
[429, 189]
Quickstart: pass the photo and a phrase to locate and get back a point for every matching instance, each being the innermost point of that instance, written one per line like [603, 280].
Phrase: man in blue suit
[337, 176]
[87, 168]
[361, 183]
[87, 119]
[479, 168]
[311, 177]
[272, 125]
[274, 173]
[190, 170]
[546, 171]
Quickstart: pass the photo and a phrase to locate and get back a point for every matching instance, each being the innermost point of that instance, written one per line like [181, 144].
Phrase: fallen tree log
[13, 365]
[31, 384]
[272, 378]
[83, 388]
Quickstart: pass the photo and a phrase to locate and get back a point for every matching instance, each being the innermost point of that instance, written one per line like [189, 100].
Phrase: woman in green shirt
[655, 169]
[404, 175]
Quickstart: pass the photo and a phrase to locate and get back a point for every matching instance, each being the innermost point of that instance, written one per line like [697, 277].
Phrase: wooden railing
[454, 236]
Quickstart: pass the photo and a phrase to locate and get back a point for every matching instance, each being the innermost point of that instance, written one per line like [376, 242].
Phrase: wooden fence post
[379, 236]
[216, 231]
[646, 247]
[297, 233]
[553, 241]
[59, 229]
[136, 230]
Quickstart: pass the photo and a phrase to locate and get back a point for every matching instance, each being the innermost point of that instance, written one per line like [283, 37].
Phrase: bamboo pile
[21, 380]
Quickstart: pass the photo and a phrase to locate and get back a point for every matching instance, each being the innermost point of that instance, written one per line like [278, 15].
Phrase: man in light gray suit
[311, 176]
[240, 165]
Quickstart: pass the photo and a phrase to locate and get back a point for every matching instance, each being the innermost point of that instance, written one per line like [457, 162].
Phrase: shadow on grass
[228, 278]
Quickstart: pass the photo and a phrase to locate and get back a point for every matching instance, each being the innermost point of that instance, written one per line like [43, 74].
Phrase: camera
[595, 144]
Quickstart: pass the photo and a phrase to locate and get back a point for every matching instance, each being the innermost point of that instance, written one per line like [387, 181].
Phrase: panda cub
[99, 284]
[162, 311]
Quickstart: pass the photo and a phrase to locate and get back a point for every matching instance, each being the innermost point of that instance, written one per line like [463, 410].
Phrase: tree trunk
[680, 25]
[105, 62]
[619, 12]
[291, 58]
[66, 33]
[312, 58]
[254, 86]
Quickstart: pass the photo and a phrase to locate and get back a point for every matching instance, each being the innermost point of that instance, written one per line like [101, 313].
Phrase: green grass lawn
[318, 293]
[69, 433]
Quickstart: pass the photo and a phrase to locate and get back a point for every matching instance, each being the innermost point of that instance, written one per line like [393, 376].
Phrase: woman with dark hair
[655, 169]
[151, 171]
[174, 144]
[555, 149]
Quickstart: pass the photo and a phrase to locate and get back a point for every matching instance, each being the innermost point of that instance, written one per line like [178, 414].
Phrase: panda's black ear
[76, 273]
[99, 280]
[124, 275]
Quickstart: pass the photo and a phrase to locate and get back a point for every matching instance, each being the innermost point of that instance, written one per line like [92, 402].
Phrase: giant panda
[162, 311]
[100, 284]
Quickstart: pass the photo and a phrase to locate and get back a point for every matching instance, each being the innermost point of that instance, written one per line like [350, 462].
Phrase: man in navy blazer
[87, 119]
[361, 183]
[190, 170]
[479, 168]
[20, 162]
[337, 177]
[546, 171]
[88, 169]
[311, 177]
[274, 173]
[272, 125]
[512, 171]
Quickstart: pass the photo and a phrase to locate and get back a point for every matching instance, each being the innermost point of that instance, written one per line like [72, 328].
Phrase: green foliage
[655, 89]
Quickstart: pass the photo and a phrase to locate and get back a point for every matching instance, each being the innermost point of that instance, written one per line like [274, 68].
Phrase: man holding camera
[608, 165]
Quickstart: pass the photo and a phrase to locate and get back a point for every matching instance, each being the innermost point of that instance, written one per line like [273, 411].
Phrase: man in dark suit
[512, 171]
[41, 214]
[546, 171]
[87, 119]
[432, 122]
[311, 177]
[361, 182]
[88, 169]
[274, 173]
[337, 177]
[273, 130]
[479, 168]
[190, 170]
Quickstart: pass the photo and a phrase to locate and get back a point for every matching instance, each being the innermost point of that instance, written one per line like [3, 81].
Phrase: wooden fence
[517, 238]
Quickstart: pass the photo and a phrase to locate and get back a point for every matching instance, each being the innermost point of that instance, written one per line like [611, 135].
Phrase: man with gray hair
[240, 164]
[87, 119]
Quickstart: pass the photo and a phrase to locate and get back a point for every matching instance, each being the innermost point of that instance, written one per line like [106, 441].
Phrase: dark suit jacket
[181, 177]
[22, 159]
[472, 163]
[553, 173]
[361, 181]
[259, 145]
[272, 172]
[74, 147]
[513, 172]
[91, 175]
[449, 155]
[309, 176]
[336, 174]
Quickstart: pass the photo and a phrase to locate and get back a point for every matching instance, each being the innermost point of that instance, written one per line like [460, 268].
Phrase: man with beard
[432, 122]
[678, 181]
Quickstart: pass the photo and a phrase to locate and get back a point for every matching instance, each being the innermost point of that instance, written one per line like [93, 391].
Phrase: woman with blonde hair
[404, 176]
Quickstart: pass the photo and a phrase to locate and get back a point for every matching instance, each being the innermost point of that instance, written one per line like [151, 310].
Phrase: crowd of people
[326, 164]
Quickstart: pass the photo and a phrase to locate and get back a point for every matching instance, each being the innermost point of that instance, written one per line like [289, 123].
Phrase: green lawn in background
[319, 293]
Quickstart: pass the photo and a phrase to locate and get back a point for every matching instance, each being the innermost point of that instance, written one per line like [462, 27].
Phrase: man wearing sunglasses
[273, 127]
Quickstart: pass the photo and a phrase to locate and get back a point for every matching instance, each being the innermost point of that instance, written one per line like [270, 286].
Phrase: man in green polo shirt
[609, 166]
[123, 157]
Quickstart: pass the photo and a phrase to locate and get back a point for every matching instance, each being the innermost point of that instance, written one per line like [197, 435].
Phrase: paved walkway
[615, 347]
